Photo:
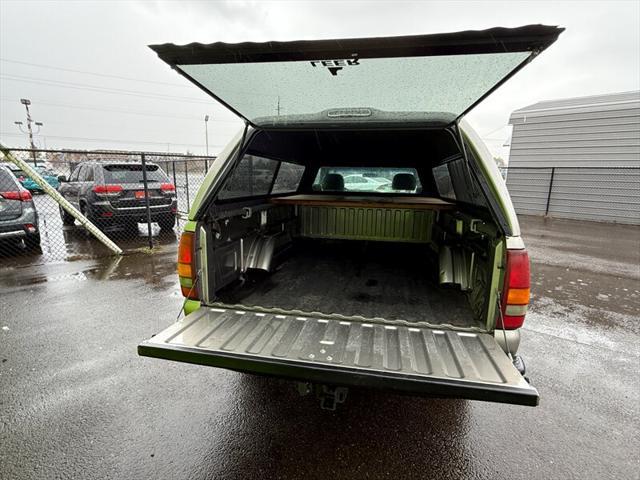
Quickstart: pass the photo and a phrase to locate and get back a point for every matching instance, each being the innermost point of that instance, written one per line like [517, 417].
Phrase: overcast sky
[108, 90]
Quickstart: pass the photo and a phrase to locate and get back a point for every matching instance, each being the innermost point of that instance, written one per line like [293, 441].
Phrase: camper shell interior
[369, 223]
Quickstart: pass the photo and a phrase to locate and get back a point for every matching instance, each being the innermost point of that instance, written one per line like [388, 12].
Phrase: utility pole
[206, 136]
[26, 102]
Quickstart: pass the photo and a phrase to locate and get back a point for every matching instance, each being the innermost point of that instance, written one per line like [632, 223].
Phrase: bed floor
[371, 279]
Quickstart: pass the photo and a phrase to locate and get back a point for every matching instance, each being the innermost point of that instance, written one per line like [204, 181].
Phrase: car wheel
[167, 223]
[86, 211]
[66, 218]
[32, 242]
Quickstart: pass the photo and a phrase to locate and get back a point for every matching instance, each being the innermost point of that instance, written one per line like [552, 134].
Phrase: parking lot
[76, 400]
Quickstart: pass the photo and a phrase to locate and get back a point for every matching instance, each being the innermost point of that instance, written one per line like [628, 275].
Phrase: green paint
[490, 181]
[190, 226]
[191, 306]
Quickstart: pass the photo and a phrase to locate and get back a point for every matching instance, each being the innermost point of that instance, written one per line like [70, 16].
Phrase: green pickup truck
[357, 231]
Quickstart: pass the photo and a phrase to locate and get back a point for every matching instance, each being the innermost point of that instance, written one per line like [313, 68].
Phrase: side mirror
[62, 178]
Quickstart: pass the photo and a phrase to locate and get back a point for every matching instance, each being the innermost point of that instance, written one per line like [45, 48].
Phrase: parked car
[18, 215]
[421, 290]
[50, 177]
[113, 193]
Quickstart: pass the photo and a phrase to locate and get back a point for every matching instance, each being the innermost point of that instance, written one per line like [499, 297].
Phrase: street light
[26, 102]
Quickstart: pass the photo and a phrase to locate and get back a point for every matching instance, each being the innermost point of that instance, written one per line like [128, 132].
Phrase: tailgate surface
[412, 359]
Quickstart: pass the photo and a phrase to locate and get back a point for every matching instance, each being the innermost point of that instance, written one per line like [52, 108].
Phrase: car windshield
[44, 171]
[132, 174]
[367, 179]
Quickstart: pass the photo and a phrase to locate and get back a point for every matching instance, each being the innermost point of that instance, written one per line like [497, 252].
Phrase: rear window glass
[7, 183]
[288, 178]
[368, 180]
[132, 174]
[251, 178]
[442, 83]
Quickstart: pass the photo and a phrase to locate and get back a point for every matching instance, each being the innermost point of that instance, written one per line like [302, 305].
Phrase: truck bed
[365, 279]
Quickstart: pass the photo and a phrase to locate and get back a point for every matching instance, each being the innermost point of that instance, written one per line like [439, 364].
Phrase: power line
[94, 88]
[115, 110]
[110, 140]
[105, 75]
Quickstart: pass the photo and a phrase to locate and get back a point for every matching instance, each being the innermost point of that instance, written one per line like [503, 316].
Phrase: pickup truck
[357, 231]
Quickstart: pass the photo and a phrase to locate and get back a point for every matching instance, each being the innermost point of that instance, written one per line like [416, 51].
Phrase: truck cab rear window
[367, 180]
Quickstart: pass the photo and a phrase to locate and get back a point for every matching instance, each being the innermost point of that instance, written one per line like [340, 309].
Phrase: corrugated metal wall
[594, 145]
[599, 194]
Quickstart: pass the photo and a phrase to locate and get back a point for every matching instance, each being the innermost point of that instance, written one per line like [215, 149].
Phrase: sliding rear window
[132, 173]
[368, 180]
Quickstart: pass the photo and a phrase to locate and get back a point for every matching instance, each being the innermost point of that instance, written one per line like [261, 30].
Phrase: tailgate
[412, 359]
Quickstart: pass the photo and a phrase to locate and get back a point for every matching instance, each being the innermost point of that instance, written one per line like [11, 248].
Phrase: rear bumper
[16, 228]
[12, 234]
[104, 211]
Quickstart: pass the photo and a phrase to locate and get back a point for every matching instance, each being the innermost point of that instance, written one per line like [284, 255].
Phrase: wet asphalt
[77, 402]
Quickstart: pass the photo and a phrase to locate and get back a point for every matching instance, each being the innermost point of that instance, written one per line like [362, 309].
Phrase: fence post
[186, 174]
[146, 199]
[206, 165]
[553, 173]
[173, 165]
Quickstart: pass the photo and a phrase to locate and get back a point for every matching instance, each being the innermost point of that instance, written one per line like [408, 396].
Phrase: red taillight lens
[167, 187]
[21, 195]
[186, 267]
[107, 189]
[516, 289]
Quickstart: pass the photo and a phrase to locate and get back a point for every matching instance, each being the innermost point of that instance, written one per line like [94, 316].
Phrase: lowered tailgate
[412, 359]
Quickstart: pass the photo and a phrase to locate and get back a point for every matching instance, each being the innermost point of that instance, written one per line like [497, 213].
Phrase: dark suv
[113, 193]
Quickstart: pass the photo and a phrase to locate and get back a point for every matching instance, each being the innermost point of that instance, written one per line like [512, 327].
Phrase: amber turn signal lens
[518, 296]
[184, 270]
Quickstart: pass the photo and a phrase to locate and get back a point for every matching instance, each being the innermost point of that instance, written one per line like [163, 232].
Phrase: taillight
[108, 190]
[168, 187]
[22, 195]
[516, 289]
[186, 265]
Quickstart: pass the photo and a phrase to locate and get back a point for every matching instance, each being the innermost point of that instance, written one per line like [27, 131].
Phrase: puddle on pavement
[157, 269]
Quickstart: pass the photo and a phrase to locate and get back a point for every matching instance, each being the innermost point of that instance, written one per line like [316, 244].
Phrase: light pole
[26, 102]
[206, 136]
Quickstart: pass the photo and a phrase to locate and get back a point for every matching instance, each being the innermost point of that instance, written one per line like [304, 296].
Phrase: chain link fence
[605, 194]
[138, 199]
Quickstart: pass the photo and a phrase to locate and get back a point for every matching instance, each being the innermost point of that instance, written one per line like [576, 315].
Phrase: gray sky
[155, 109]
